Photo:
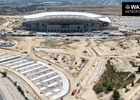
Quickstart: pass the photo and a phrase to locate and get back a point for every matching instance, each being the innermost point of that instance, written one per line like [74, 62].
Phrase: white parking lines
[43, 88]
[41, 76]
[56, 90]
[6, 56]
[10, 57]
[21, 64]
[28, 66]
[17, 62]
[50, 78]
[11, 60]
[52, 84]
[47, 94]
[37, 83]
[31, 69]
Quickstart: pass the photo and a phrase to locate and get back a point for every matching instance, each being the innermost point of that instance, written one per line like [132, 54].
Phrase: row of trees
[15, 83]
[20, 90]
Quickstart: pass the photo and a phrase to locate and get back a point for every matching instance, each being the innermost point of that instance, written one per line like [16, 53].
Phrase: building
[65, 22]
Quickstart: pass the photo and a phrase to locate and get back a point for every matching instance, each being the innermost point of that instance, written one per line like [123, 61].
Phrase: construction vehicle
[137, 56]
[74, 91]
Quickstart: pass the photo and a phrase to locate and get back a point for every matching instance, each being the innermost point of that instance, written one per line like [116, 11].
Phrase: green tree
[108, 61]
[124, 85]
[4, 73]
[105, 83]
[116, 95]
[19, 88]
[22, 92]
[26, 98]
[109, 87]
[126, 89]
[83, 60]
[94, 87]
[98, 90]
[101, 89]
[15, 83]
[133, 64]
[133, 75]
[132, 83]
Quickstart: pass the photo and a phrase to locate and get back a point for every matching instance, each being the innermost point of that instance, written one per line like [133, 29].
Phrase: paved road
[1, 97]
[10, 91]
[22, 86]
[5, 90]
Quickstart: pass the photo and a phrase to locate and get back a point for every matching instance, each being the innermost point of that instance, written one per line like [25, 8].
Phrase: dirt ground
[123, 50]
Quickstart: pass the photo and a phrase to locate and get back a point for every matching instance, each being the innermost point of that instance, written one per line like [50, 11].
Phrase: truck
[74, 91]
[137, 56]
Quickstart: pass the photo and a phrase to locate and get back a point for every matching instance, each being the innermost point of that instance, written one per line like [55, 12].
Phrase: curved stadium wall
[64, 22]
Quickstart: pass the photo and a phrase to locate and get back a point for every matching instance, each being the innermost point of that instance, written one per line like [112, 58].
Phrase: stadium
[65, 22]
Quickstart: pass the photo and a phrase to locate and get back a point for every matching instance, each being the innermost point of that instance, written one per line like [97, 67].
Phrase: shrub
[126, 89]
[99, 90]
[15, 83]
[94, 87]
[19, 88]
[22, 92]
[124, 86]
[26, 98]
[4, 73]
[108, 61]
[133, 75]
[116, 95]
[112, 66]
[83, 60]
[109, 87]
[133, 64]
[105, 83]
[132, 83]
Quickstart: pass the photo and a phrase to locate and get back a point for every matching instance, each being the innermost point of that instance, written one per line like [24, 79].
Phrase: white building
[65, 22]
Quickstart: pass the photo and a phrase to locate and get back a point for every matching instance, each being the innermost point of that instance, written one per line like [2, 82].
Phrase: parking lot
[51, 82]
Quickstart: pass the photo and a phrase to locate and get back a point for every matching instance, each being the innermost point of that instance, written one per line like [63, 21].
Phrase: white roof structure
[65, 15]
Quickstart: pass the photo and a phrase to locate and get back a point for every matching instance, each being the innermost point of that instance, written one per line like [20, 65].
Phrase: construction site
[70, 67]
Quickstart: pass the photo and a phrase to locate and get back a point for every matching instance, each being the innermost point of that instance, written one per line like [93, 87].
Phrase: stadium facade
[65, 22]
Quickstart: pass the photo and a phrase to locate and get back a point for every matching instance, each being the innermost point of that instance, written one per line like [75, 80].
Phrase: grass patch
[111, 79]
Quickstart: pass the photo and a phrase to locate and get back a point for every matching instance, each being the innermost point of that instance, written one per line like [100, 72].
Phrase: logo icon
[127, 7]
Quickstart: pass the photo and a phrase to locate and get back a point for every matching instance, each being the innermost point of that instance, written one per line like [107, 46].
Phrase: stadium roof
[65, 15]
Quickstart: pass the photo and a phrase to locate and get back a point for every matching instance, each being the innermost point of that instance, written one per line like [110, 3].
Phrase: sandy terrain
[96, 53]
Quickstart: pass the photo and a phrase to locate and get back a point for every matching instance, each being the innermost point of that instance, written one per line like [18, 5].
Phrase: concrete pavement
[95, 73]
[1, 97]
